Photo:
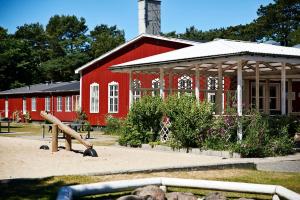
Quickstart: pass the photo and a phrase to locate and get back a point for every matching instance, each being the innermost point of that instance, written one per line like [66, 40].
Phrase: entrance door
[273, 100]
[6, 108]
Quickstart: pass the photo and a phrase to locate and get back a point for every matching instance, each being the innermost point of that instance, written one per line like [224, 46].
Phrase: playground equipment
[69, 132]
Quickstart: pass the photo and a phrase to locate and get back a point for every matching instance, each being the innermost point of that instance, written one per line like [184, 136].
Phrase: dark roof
[72, 86]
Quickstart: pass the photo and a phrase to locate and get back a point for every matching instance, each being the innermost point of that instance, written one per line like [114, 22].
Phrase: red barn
[61, 99]
[103, 92]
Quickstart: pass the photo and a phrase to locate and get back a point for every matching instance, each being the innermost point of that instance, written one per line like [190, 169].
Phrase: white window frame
[24, 105]
[113, 97]
[6, 108]
[211, 94]
[68, 104]
[75, 104]
[155, 87]
[94, 98]
[185, 79]
[33, 103]
[59, 104]
[136, 84]
[47, 103]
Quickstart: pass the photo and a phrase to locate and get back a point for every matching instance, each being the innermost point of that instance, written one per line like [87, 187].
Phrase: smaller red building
[60, 99]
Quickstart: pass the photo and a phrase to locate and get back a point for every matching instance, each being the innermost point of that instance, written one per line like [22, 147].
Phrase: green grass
[47, 188]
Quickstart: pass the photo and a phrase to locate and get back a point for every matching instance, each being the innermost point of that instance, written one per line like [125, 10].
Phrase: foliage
[222, 134]
[263, 138]
[35, 54]
[279, 21]
[27, 117]
[113, 125]
[189, 121]
[146, 115]
[105, 38]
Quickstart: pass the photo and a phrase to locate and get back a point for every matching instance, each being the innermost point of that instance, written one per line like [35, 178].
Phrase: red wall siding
[15, 103]
[100, 74]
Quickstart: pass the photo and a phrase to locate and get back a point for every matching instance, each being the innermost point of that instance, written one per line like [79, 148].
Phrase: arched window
[136, 86]
[185, 82]
[155, 86]
[113, 97]
[212, 85]
[94, 98]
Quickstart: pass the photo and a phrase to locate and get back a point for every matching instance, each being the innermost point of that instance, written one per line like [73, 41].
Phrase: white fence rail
[68, 192]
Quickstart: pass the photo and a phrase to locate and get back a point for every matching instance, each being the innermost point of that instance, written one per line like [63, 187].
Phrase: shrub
[146, 115]
[142, 124]
[222, 134]
[263, 138]
[113, 125]
[189, 120]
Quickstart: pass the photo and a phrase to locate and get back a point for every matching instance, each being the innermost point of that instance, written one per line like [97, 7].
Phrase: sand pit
[22, 158]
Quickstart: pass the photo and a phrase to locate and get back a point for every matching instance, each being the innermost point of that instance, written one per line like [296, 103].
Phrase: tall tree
[105, 38]
[279, 19]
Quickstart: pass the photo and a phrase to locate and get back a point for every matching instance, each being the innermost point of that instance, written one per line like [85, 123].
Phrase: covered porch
[262, 76]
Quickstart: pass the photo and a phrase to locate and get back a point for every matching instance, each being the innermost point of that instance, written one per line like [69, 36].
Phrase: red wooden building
[105, 93]
[61, 99]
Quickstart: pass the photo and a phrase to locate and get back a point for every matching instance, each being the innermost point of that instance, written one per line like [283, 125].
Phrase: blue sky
[176, 14]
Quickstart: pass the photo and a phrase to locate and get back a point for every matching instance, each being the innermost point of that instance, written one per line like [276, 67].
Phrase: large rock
[215, 196]
[155, 192]
[180, 196]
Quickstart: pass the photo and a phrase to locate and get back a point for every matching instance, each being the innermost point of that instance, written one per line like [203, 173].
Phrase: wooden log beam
[54, 138]
[66, 129]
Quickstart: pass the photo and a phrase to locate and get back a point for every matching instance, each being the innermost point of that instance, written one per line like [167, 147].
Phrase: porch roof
[226, 52]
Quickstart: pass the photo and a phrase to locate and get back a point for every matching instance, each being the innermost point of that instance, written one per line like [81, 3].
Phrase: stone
[154, 191]
[135, 197]
[215, 196]
[180, 196]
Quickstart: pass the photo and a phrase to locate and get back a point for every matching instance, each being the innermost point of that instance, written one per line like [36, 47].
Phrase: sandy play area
[22, 158]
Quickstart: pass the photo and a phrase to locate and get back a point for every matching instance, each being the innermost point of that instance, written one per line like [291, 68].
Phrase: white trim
[78, 70]
[59, 104]
[155, 89]
[136, 94]
[47, 103]
[68, 104]
[94, 108]
[6, 108]
[24, 105]
[114, 97]
[80, 92]
[33, 103]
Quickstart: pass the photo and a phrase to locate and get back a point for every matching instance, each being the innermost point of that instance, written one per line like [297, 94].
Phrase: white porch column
[257, 86]
[283, 89]
[130, 90]
[239, 98]
[197, 85]
[220, 89]
[161, 83]
[290, 90]
[80, 92]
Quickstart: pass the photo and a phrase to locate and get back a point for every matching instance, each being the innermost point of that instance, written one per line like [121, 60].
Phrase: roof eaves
[78, 70]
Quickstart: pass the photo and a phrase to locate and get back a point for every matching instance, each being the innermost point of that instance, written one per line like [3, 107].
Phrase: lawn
[47, 188]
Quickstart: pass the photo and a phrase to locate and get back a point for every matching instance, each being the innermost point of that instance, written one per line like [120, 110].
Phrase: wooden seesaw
[69, 133]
